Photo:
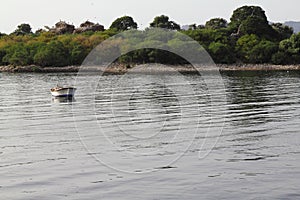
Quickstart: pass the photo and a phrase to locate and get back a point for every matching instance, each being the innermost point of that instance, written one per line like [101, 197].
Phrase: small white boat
[63, 91]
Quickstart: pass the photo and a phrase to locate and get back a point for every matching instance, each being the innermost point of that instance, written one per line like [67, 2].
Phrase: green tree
[251, 49]
[283, 31]
[2, 55]
[33, 47]
[244, 45]
[221, 53]
[18, 55]
[52, 54]
[77, 54]
[289, 51]
[207, 36]
[2, 34]
[163, 22]
[258, 26]
[281, 58]
[124, 23]
[263, 52]
[216, 23]
[241, 14]
[23, 29]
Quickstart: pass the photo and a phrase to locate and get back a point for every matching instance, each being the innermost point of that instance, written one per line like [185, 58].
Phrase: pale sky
[41, 12]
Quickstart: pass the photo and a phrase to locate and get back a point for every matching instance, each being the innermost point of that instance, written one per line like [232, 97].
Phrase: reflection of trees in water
[257, 103]
[247, 93]
[248, 97]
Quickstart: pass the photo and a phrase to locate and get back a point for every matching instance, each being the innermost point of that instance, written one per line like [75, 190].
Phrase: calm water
[159, 140]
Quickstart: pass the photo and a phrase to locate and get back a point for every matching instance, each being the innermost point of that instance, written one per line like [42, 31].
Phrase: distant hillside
[185, 27]
[294, 25]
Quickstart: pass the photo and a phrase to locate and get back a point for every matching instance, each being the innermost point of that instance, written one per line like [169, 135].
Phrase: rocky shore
[155, 68]
[37, 69]
[258, 67]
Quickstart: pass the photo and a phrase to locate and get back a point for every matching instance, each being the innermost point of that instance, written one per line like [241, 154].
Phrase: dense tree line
[248, 38]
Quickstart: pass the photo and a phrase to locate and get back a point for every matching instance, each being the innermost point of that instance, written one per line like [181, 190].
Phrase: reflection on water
[66, 99]
[42, 154]
[248, 98]
[263, 107]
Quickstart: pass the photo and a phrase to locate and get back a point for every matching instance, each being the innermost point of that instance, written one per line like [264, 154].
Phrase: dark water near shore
[157, 141]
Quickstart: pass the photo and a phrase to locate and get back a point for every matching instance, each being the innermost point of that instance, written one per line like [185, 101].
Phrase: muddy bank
[153, 68]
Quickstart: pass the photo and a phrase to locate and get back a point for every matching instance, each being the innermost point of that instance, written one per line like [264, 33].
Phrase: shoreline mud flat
[148, 68]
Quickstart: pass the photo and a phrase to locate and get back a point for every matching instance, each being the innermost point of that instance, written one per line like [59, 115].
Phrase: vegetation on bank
[248, 38]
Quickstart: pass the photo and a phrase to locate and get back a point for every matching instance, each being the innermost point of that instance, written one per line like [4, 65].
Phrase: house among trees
[62, 27]
[89, 26]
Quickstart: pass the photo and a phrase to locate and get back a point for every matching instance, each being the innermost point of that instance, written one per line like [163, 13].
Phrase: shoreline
[122, 68]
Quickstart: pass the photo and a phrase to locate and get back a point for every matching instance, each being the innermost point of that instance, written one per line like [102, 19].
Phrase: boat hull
[66, 92]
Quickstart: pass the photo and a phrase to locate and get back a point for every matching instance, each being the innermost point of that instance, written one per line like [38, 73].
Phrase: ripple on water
[48, 146]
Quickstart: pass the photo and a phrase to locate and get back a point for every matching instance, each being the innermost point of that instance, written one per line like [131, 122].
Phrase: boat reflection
[66, 99]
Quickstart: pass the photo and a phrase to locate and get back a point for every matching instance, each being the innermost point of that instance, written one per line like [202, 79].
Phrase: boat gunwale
[63, 88]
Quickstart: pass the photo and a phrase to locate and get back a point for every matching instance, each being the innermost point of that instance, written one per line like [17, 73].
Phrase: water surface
[150, 142]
